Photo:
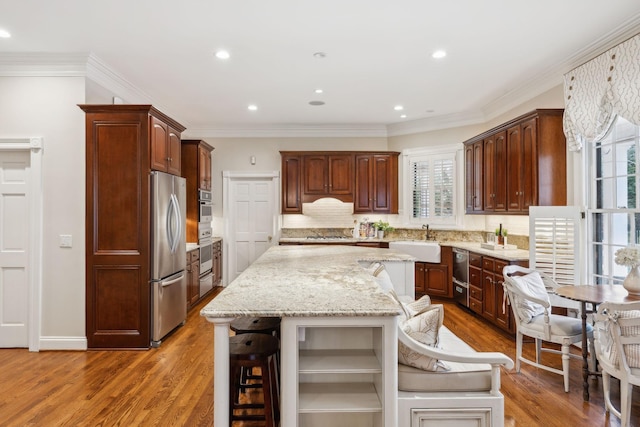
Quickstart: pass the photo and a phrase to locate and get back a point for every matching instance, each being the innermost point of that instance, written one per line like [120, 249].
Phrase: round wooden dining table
[594, 295]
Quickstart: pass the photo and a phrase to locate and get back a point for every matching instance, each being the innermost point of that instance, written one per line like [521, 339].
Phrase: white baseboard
[63, 343]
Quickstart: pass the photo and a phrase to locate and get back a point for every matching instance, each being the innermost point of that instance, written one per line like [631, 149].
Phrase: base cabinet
[193, 277]
[435, 279]
[486, 293]
[343, 371]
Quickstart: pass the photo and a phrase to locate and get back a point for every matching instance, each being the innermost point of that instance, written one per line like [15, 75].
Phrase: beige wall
[46, 107]
[233, 154]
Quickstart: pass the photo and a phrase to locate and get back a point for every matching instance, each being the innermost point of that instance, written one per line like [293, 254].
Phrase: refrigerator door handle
[172, 218]
[171, 282]
[179, 222]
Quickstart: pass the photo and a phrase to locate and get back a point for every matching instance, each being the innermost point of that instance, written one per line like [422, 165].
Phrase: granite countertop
[505, 254]
[307, 281]
[312, 240]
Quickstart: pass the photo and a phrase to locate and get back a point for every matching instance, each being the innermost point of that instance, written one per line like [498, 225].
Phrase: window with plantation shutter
[432, 181]
[554, 239]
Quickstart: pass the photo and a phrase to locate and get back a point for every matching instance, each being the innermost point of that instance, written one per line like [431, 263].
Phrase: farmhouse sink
[424, 251]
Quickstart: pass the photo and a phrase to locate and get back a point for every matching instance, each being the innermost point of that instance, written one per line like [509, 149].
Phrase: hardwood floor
[173, 385]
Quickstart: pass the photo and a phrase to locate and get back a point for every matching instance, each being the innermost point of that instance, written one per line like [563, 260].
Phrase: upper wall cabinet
[328, 175]
[196, 169]
[370, 179]
[518, 164]
[165, 147]
[376, 183]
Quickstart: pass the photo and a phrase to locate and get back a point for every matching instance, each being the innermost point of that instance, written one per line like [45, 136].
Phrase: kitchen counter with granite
[307, 281]
[505, 254]
[313, 288]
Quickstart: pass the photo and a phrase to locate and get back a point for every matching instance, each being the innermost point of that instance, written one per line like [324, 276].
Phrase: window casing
[613, 200]
[431, 178]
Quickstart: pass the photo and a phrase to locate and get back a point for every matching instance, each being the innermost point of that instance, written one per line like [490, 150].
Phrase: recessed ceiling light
[403, 116]
[4, 34]
[222, 54]
[316, 103]
[319, 55]
[439, 54]
[398, 108]
[318, 91]
[252, 107]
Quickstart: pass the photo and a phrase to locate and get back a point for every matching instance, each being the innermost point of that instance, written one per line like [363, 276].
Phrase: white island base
[339, 371]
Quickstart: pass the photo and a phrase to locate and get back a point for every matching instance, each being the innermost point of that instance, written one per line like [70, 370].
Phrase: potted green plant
[382, 226]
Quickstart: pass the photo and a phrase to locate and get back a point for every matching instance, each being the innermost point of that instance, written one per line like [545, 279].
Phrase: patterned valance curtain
[600, 90]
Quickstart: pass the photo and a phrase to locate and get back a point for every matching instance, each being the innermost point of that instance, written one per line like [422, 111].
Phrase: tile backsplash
[331, 217]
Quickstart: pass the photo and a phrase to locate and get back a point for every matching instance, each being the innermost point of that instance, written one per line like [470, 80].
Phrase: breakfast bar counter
[330, 306]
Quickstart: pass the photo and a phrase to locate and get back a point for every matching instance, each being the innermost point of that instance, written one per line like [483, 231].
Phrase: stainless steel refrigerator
[168, 254]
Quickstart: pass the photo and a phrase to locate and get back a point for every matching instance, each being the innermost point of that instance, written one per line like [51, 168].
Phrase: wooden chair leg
[565, 366]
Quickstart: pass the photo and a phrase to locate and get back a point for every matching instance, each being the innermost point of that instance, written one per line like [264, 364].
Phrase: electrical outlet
[66, 241]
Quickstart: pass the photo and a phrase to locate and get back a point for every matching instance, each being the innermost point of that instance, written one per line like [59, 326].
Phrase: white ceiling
[378, 55]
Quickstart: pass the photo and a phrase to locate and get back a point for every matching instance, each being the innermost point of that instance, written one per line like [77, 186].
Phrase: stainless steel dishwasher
[461, 276]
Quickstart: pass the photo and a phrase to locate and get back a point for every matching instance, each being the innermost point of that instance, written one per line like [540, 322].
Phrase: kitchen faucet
[426, 227]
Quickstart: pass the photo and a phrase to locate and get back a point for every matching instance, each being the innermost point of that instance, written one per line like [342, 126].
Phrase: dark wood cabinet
[474, 176]
[494, 168]
[368, 179]
[291, 183]
[193, 277]
[328, 175]
[120, 151]
[486, 292]
[376, 183]
[196, 169]
[435, 279]
[524, 165]
[204, 166]
[165, 147]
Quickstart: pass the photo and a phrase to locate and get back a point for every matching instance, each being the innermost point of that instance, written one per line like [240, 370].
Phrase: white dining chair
[617, 343]
[527, 292]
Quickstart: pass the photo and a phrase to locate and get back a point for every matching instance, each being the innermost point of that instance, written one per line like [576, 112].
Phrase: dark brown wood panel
[174, 150]
[514, 169]
[315, 174]
[524, 165]
[478, 176]
[196, 169]
[159, 147]
[489, 167]
[500, 172]
[119, 141]
[340, 174]
[363, 200]
[291, 183]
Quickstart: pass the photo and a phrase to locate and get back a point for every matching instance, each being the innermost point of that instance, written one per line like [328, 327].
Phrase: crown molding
[533, 87]
[290, 131]
[430, 124]
[41, 64]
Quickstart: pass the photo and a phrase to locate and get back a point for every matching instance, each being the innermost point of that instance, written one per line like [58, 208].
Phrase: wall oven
[205, 241]
[205, 214]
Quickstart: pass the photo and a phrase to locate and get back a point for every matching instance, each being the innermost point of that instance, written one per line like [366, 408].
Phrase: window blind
[433, 183]
[554, 242]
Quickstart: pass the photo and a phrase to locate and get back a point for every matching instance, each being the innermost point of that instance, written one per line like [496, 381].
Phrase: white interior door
[14, 248]
[250, 219]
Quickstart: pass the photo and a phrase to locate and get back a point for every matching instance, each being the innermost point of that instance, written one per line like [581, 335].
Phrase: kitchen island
[338, 333]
